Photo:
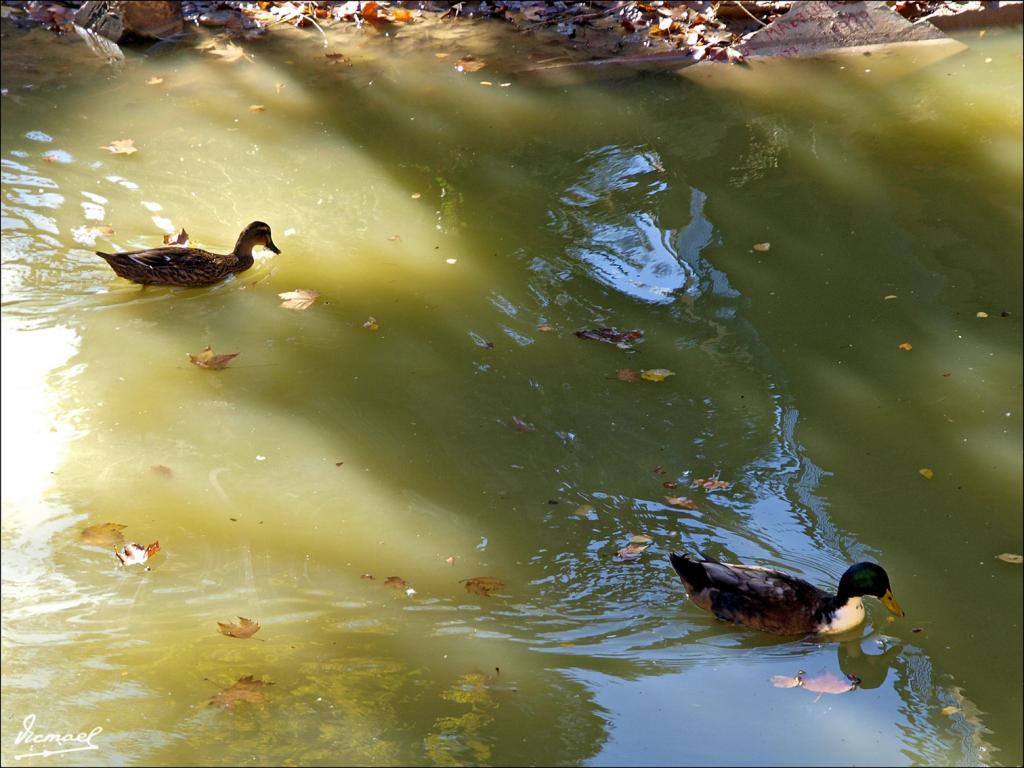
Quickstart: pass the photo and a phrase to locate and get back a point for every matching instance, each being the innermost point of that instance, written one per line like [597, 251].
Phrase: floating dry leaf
[371, 323]
[469, 64]
[828, 682]
[521, 425]
[136, 554]
[228, 52]
[154, 81]
[367, 576]
[711, 483]
[103, 230]
[51, 158]
[395, 582]
[906, 346]
[162, 470]
[394, 238]
[257, 108]
[785, 681]
[926, 473]
[450, 560]
[243, 630]
[300, 298]
[415, 195]
[981, 314]
[890, 297]
[246, 689]
[179, 239]
[762, 247]
[610, 335]
[483, 585]
[1008, 557]
[206, 359]
[545, 327]
[951, 710]
[121, 147]
[441, 55]
[823, 682]
[631, 551]
[104, 535]
[680, 501]
[656, 374]
[670, 484]
[627, 374]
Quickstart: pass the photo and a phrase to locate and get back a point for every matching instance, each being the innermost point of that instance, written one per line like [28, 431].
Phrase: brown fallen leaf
[51, 158]
[469, 64]
[228, 52]
[630, 552]
[670, 484]
[300, 298]
[367, 576]
[950, 710]
[711, 483]
[246, 689]
[545, 327]
[154, 80]
[121, 147]
[1008, 557]
[179, 239]
[450, 560]
[680, 501]
[441, 55]
[906, 346]
[521, 425]
[627, 374]
[394, 238]
[761, 247]
[206, 359]
[243, 630]
[104, 535]
[257, 108]
[658, 470]
[136, 554]
[395, 582]
[102, 230]
[161, 469]
[483, 585]
[610, 335]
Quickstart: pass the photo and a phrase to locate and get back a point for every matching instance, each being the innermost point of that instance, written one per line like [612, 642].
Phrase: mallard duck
[174, 265]
[776, 602]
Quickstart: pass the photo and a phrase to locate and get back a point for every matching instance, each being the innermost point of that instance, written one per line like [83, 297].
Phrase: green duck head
[868, 579]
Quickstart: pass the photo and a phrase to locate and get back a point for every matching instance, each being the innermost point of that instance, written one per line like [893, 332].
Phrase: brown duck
[174, 265]
[777, 602]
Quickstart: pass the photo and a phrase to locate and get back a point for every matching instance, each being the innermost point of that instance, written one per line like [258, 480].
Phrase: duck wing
[762, 598]
[172, 265]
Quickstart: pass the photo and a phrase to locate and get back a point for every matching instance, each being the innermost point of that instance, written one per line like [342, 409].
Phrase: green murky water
[328, 450]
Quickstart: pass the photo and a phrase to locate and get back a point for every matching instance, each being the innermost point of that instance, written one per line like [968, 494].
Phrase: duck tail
[691, 572]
